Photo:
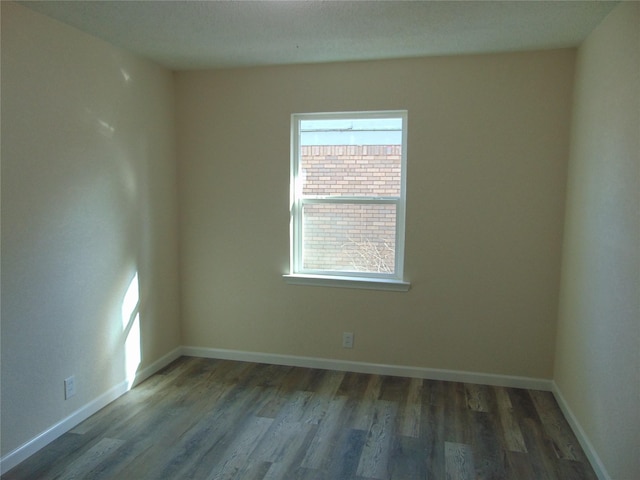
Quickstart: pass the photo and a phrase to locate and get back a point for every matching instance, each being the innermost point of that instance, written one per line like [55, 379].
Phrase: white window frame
[370, 280]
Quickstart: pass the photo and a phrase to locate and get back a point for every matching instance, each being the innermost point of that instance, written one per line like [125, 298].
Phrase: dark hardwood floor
[215, 419]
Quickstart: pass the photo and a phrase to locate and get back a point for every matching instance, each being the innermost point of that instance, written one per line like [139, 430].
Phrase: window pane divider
[351, 200]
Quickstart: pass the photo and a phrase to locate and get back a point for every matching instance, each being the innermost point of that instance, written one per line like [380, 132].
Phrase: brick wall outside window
[349, 236]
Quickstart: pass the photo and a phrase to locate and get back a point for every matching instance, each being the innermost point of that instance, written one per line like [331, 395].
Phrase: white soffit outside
[188, 35]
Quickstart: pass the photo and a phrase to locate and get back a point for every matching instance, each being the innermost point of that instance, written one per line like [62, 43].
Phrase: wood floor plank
[541, 455]
[574, 470]
[281, 441]
[489, 456]
[353, 385]
[284, 438]
[459, 461]
[50, 461]
[510, 428]
[294, 410]
[280, 383]
[538, 449]
[518, 465]
[375, 454]
[190, 450]
[433, 392]
[347, 455]
[291, 452]
[412, 409]
[394, 389]
[556, 427]
[366, 406]
[240, 449]
[477, 397]
[407, 460]
[277, 391]
[456, 414]
[94, 456]
[432, 428]
[330, 383]
[322, 396]
[206, 419]
[254, 470]
[325, 438]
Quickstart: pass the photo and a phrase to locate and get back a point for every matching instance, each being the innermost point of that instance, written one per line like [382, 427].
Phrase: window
[348, 175]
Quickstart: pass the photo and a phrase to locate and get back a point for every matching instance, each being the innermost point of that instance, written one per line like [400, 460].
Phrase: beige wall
[487, 158]
[598, 348]
[88, 199]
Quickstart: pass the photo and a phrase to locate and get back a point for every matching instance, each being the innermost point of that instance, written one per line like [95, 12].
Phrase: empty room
[320, 240]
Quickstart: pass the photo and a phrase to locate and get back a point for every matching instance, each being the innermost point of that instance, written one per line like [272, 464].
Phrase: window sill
[347, 282]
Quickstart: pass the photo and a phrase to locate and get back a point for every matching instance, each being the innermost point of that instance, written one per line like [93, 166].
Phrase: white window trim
[366, 280]
[347, 282]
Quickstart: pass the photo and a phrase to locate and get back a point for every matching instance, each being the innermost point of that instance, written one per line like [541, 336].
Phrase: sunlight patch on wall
[131, 330]
[125, 75]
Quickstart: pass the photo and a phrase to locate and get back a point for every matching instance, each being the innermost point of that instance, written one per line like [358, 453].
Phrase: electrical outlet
[69, 387]
[347, 340]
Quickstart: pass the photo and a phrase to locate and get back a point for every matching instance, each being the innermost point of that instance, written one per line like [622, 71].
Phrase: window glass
[349, 237]
[348, 194]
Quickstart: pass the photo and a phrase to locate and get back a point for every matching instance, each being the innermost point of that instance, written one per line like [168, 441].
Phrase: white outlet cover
[69, 387]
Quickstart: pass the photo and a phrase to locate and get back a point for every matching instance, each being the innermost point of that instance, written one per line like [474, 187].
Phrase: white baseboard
[373, 368]
[30, 447]
[580, 434]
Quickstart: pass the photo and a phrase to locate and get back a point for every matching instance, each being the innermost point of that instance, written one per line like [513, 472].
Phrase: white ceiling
[184, 35]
